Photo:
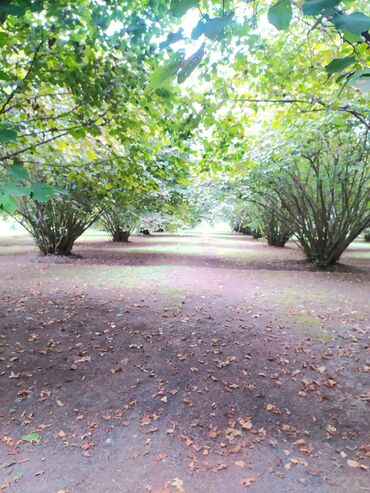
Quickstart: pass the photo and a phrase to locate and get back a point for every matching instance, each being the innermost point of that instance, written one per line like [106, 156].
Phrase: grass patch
[165, 249]
[92, 236]
[361, 255]
[321, 335]
[307, 321]
[141, 277]
[122, 276]
[363, 245]
[292, 297]
[172, 296]
[17, 249]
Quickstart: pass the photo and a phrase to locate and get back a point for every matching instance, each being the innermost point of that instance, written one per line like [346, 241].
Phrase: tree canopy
[147, 98]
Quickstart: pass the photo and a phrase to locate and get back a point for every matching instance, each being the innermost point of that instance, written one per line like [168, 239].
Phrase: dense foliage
[156, 115]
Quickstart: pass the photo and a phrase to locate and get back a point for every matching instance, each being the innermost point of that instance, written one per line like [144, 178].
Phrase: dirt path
[183, 364]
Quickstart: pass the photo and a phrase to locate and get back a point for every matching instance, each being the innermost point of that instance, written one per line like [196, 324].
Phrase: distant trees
[276, 227]
[246, 220]
[120, 222]
[319, 190]
[259, 217]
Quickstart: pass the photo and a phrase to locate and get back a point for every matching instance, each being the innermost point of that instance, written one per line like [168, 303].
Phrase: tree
[276, 226]
[234, 25]
[56, 224]
[246, 220]
[89, 87]
[322, 184]
[119, 222]
[63, 76]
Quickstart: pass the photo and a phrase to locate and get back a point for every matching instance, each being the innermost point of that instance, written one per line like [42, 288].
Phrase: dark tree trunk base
[64, 248]
[120, 236]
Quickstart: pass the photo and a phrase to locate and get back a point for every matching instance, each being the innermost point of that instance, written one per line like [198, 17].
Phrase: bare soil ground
[183, 364]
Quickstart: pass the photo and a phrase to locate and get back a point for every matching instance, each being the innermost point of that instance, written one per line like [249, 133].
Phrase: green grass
[233, 254]
[322, 335]
[140, 277]
[307, 321]
[361, 314]
[165, 249]
[172, 296]
[123, 276]
[292, 297]
[243, 255]
[363, 245]
[17, 249]
[361, 255]
[93, 235]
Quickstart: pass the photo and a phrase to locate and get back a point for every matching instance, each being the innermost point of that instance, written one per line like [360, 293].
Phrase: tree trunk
[120, 235]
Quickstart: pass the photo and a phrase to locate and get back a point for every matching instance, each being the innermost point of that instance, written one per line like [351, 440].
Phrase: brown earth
[183, 364]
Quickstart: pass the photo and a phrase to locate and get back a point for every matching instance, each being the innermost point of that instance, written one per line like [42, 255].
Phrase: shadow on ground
[187, 377]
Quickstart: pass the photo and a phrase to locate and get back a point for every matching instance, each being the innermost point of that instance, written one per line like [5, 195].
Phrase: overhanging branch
[325, 107]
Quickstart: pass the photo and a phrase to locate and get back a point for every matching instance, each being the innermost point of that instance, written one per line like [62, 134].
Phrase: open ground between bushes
[183, 364]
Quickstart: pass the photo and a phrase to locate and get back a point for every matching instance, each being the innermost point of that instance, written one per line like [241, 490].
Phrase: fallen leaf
[357, 465]
[179, 485]
[32, 438]
[84, 359]
[160, 457]
[246, 424]
[14, 375]
[247, 481]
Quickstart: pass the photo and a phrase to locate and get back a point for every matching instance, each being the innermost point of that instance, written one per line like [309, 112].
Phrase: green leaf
[4, 38]
[172, 38]
[197, 30]
[7, 133]
[352, 38]
[280, 14]
[345, 75]
[5, 76]
[361, 80]
[17, 171]
[32, 437]
[8, 464]
[212, 28]
[9, 7]
[164, 72]
[314, 7]
[15, 190]
[242, 30]
[42, 192]
[180, 7]
[339, 64]
[7, 204]
[190, 64]
[78, 133]
[355, 23]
